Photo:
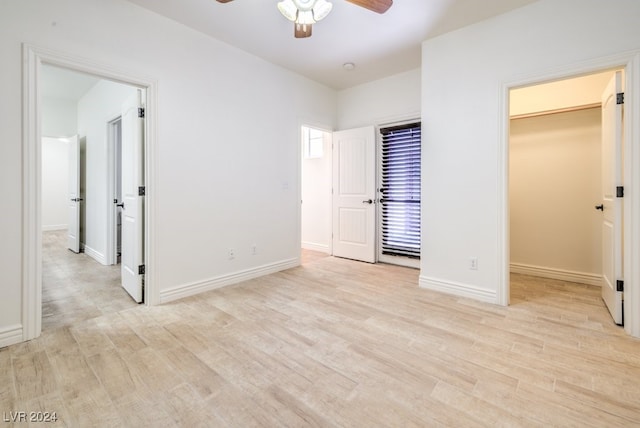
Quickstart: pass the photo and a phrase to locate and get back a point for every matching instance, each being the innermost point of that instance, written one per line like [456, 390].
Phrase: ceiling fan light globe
[305, 17]
[288, 9]
[305, 5]
[321, 9]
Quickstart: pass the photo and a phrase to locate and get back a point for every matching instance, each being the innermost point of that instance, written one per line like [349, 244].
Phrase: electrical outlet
[232, 254]
[473, 263]
[254, 249]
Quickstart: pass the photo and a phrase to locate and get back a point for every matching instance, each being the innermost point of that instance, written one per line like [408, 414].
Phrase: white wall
[227, 141]
[558, 95]
[59, 117]
[382, 101]
[463, 107]
[554, 184]
[317, 200]
[55, 183]
[101, 104]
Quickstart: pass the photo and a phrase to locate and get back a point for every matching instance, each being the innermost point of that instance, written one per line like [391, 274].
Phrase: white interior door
[132, 257]
[611, 203]
[73, 232]
[354, 194]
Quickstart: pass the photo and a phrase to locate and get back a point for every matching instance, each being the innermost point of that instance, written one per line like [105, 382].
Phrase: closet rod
[560, 110]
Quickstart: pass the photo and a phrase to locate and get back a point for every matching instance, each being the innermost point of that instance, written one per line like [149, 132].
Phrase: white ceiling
[65, 84]
[379, 45]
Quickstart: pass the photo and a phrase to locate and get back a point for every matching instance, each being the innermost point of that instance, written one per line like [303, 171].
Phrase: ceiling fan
[305, 13]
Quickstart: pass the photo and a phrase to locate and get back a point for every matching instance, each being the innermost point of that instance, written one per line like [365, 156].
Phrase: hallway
[75, 287]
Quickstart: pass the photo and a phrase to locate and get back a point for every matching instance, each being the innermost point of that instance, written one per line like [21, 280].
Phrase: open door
[354, 194]
[73, 232]
[132, 258]
[612, 193]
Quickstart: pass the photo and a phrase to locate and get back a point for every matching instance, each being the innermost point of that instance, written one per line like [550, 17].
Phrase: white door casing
[31, 257]
[611, 204]
[354, 194]
[133, 210]
[73, 233]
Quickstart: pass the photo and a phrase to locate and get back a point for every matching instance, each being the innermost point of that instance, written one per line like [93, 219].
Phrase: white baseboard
[316, 247]
[198, 287]
[11, 335]
[96, 255]
[51, 227]
[458, 289]
[553, 273]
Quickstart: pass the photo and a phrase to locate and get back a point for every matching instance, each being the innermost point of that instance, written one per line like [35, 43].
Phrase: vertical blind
[400, 200]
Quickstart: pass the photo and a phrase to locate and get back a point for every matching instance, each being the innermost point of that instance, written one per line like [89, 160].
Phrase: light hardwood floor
[75, 287]
[336, 343]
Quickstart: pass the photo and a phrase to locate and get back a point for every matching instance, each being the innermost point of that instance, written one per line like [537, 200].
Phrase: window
[312, 140]
[400, 190]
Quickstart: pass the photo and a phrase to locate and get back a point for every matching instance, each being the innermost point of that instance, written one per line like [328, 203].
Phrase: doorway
[555, 183]
[35, 59]
[315, 185]
[360, 192]
[80, 277]
[399, 187]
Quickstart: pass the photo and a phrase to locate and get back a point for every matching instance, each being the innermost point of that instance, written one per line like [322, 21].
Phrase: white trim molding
[323, 248]
[52, 227]
[11, 335]
[31, 197]
[197, 287]
[458, 289]
[95, 255]
[560, 274]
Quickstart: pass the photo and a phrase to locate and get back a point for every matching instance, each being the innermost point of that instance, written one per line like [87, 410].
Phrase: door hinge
[619, 285]
[141, 191]
[141, 270]
[141, 112]
[620, 192]
[620, 98]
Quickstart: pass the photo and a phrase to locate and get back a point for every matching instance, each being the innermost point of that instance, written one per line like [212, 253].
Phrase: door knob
[600, 207]
[121, 205]
[368, 201]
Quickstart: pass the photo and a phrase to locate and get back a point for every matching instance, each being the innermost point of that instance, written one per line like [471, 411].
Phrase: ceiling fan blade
[379, 6]
[301, 31]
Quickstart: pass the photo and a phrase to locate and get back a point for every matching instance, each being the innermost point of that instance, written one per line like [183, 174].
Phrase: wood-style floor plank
[33, 376]
[333, 343]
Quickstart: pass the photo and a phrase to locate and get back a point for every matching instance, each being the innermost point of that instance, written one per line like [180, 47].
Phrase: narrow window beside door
[400, 200]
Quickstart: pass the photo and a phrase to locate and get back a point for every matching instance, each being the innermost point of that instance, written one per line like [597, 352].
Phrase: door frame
[33, 57]
[630, 62]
